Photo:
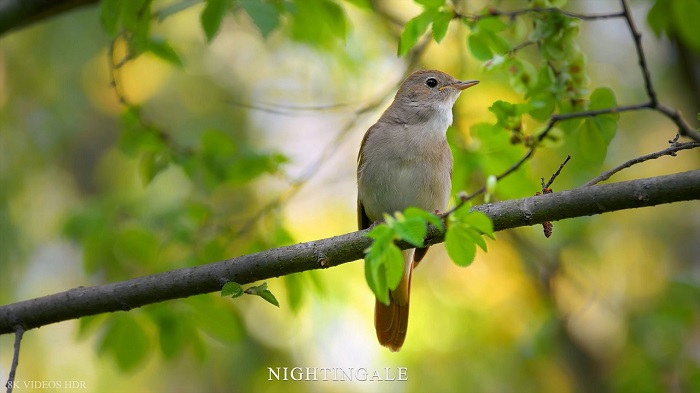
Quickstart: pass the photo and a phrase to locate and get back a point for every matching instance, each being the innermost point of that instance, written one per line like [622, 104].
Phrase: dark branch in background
[15, 14]
[137, 292]
[683, 127]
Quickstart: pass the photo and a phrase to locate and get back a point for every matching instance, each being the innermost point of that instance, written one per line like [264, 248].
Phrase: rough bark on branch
[125, 295]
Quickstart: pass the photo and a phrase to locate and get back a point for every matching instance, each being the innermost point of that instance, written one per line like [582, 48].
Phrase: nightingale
[405, 161]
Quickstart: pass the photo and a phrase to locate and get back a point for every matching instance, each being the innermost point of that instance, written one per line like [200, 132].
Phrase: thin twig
[514, 14]
[669, 151]
[113, 66]
[520, 46]
[466, 198]
[289, 110]
[637, 36]
[554, 119]
[19, 332]
[554, 176]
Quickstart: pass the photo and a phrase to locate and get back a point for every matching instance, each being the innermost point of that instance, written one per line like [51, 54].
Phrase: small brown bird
[405, 161]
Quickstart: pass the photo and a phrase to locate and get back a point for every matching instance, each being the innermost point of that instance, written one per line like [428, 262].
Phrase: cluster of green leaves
[217, 158]
[234, 290]
[539, 54]
[320, 23]
[132, 21]
[384, 263]
[435, 14]
[129, 338]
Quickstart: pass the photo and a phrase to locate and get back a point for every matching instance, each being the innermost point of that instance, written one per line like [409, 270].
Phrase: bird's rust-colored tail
[391, 322]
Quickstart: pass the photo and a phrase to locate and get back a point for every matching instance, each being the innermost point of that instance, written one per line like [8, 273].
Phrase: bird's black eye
[431, 82]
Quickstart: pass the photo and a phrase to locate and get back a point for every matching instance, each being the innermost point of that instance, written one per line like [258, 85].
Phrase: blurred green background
[262, 137]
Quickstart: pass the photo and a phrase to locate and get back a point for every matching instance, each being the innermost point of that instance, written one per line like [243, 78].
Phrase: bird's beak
[463, 85]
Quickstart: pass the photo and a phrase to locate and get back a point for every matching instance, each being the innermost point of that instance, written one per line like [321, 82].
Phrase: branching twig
[683, 127]
[669, 151]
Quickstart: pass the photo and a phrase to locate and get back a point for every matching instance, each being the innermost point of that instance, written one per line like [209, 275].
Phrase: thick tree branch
[125, 295]
[15, 14]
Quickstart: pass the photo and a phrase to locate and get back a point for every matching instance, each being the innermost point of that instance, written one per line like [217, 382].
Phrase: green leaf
[484, 42]
[460, 245]
[111, 15]
[685, 16]
[269, 297]
[414, 29]
[136, 246]
[213, 15]
[476, 238]
[383, 262]
[376, 279]
[434, 4]
[125, 340]
[232, 289]
[135, 137]
[137, 21]
[173, 333]
[523, 76]
[88, 325]
[318, 22]
[509, 115]
[441, 23]
[480, 222]
[174, 8]
[380, 231]
[490, 24]
[592, 146]
[660, 17]
[216, 318]
[361, 4]
[293, 284]
[604, 98]
[164, 51]
[411, 230]
[152, 163]
[427, 216]
[478, 45]
[262, 291]
[264, 15]
[465, 233]
[541, 106]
